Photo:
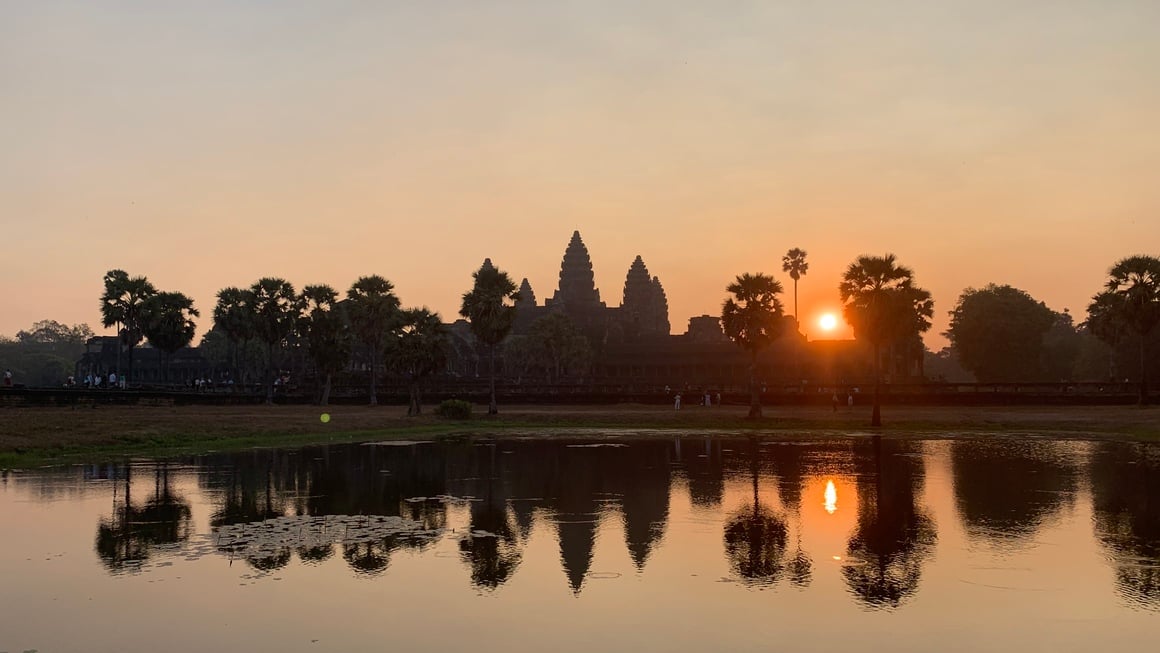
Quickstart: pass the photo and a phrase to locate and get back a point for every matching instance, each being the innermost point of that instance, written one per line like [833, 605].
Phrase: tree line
[999, 333]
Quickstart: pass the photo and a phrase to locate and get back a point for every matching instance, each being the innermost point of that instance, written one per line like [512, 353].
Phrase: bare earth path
[47, 433]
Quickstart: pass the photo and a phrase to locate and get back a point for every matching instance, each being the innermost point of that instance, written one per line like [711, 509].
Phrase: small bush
[454, 409]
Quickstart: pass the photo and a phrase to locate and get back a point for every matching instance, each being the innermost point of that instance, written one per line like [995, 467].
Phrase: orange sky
[209, 144]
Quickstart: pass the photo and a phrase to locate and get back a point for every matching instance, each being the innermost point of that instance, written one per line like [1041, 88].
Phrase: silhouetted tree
[794, 262]
[1130, 303]
[327, 334]
[168, 323]
[885, 308]
[417, 350]
[233, 315]
[276, 309]
[752, 319]
[122, 306]
[374, 311]
[557, 345]
[998, 332]
[489, 308]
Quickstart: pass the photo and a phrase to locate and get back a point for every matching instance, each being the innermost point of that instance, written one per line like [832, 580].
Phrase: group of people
[98, 380]
[707, 399]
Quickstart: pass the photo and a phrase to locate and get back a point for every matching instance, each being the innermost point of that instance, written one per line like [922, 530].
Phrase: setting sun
[828, 322]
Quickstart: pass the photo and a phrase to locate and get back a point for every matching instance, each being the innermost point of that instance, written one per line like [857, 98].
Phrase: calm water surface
[682, 544]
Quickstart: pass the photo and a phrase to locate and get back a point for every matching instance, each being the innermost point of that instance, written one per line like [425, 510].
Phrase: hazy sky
[206, 144]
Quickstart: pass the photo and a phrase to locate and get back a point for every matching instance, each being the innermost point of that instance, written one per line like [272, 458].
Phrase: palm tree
[417, 350]
[168, 323]
[373, 309]
[275, 310]
[794, 262]
[490, 309]
[326, 332]
[1130, 303]
[122, 306]
[752, 318]
[885, 308]
[234, 315]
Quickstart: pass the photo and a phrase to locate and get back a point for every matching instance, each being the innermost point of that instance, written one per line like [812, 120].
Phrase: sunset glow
[828, 322]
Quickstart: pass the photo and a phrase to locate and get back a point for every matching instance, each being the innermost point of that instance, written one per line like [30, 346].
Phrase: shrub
[454, 409]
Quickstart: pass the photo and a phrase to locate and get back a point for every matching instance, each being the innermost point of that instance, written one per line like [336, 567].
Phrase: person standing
[7, 378]
[677, 402]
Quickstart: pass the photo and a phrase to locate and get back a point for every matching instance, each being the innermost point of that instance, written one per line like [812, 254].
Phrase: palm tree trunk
[754, 398]
[876, 416]
[270, 374]
[1143, 374]
[374, 375]
[325, 400]
[124, 380]
[492, 408]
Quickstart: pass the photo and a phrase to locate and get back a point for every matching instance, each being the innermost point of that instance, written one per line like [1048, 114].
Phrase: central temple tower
[577, 292]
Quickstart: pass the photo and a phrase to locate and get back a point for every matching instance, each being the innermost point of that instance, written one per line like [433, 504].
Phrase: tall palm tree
[418, 349]
[885, 308]
[122, 306]
[489, 308]
[234, 316]
[276, 310]
[794, 262]
[1130, 303]
[752, 318]
[326, 333]
[168, 324]
[373, 309]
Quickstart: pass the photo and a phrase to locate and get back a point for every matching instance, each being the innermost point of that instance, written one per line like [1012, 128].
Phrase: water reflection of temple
[489, 498]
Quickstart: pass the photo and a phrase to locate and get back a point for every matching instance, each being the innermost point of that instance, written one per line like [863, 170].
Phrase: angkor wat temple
[633, 345]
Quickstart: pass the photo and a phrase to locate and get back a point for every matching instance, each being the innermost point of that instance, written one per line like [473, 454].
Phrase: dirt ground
[25, 429]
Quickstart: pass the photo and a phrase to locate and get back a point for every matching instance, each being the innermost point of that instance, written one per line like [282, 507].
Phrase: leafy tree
[418, 349]
[168, 323]
[122, 307]
[1129, 305]
[326, 332]
[752, 319]
[51, 332]
[885, 308]
[1062, 345]
[490, 310]
[998, 333]
[794, 262]
[373, 309]
[233, 316]
[557, 345]
[275, 312]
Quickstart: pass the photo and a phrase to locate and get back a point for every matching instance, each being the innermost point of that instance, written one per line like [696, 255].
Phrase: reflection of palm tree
[315, 554]
[755, 538]
[1125, 481]
[893, 536]
[369, 558]
[1005, 490]
[133, 532]
[492, 549]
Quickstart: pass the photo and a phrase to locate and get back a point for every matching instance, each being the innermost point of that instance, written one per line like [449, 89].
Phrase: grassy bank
[30, 436]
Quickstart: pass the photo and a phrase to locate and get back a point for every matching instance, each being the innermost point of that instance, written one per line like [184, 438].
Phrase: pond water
[678, 544]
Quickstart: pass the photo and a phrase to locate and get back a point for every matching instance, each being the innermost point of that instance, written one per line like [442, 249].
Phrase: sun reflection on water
[831, 497]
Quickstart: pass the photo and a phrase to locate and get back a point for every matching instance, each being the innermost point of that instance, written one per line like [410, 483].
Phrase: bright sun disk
[828, 322]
